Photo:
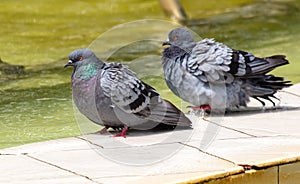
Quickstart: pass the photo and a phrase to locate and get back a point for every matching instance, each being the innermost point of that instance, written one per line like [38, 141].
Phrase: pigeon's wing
[125, 89]
[213, 61]
[137, 98]
[210, 61]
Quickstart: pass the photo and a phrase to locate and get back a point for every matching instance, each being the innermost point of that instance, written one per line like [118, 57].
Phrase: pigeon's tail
[265, 86]
[167, 113]
[265, 65]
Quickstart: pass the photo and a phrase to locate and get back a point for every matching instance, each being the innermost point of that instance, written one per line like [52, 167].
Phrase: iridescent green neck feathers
[87, 71]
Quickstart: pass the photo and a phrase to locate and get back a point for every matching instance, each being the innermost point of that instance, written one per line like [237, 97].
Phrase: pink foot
[123, 133]
[202, 107]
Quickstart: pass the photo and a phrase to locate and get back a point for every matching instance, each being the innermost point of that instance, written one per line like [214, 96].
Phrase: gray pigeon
[207, 72]
[111, 95]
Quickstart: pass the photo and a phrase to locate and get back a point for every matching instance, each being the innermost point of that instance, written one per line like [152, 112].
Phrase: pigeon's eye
[79, 58]
[174, 38]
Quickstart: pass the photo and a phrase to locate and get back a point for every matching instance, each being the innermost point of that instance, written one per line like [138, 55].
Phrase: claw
[123, 133]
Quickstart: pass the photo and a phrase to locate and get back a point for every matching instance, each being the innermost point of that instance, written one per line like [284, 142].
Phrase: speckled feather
[208, 71]
[125, 89]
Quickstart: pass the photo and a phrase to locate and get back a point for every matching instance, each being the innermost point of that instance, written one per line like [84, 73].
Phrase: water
[35, 101]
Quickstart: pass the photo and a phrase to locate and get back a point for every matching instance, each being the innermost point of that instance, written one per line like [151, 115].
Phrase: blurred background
[37, 37]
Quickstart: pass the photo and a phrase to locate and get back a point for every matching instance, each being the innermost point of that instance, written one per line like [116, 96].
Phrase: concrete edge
[278, 161]
[214, 176]
[244, 168]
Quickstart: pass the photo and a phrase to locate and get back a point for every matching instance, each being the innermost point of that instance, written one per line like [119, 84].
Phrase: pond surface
[37, 36]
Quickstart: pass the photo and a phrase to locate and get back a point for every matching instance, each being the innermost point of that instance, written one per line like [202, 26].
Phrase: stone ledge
[255, 146]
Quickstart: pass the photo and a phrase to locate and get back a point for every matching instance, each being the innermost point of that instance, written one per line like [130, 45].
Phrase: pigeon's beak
[70, 63]
[167, 42]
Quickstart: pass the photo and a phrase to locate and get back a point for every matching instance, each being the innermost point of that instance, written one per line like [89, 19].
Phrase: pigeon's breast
[186, 85]
[85, 99]
[197, 92]
[91, 101]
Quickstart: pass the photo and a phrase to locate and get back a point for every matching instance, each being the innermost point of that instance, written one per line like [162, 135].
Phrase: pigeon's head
[180, 37]
[78, 56]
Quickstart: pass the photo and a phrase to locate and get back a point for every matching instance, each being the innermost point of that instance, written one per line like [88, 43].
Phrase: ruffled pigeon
[111, 95]
[206, 72]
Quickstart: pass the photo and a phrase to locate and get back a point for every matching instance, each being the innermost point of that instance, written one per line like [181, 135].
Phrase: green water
[36, 102]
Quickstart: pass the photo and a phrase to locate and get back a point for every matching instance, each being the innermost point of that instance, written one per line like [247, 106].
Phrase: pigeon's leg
[201, 108]
[123, 133]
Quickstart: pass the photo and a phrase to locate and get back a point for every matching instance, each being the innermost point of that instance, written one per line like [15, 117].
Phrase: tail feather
[167, 113]
[258, 84]
[273, 82]
[265, 65]
[265, 86]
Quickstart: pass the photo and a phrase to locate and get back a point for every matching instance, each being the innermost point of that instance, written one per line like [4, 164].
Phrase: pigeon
[210, 75]
[110, 94]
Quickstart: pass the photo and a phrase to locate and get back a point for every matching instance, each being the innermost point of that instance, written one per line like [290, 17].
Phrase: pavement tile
[262, 151]
[21, 169]
[290, 96]
[213, 149]
[293, 89]
[202, 130]
[91, 163]
[178, 177]
[48, 146]
[138, 138]
[274, 123]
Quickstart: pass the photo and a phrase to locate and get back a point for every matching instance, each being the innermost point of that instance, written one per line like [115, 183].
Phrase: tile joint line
[59, 167]
[90, 142]
[229, 128]
[245, 166]
[216, 156]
